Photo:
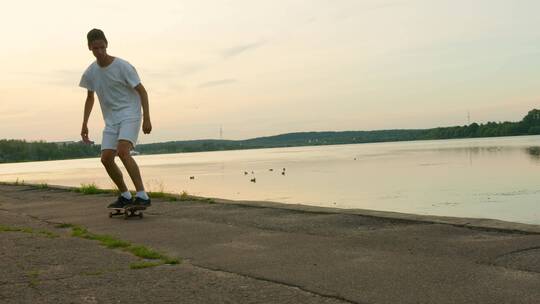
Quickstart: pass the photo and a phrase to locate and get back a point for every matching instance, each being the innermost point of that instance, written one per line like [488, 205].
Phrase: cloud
[216, 83]
[239, 49]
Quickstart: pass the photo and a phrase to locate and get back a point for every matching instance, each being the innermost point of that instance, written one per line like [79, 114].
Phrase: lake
[495, 178]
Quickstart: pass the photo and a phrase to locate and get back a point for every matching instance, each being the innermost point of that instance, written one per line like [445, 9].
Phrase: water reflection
[534, 153]
[464, 150]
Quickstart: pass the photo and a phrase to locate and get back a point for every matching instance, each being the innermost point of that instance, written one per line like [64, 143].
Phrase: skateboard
[128, 211]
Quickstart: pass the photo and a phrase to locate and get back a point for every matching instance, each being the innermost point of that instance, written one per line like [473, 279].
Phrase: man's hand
[147, 126]
[89, 103]
[84, 135]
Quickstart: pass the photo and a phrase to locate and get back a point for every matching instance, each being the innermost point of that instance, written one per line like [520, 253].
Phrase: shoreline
[280, 147]
[485, 224]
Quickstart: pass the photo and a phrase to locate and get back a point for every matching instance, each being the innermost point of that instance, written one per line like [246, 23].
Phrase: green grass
[113, 243]
[8, 229]
[105, 240]
[91, 189]
[144, 264]
[15, 183]
[18, 182]
[45, 233]
[64, 225]
[33, 273]
[33, 276]
[42, 186]
[160, 194]
[48, 234]
[78, 231]
[145, 253]
[171, 261]
[184, 196]
[110, 242]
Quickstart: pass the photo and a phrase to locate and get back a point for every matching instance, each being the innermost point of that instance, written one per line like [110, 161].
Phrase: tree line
[20, 150]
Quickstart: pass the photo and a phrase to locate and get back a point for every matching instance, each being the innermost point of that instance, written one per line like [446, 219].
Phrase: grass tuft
[42, 186]
[184, 196]
[144, 264]
[64, 225]
[163, 195]
[28, 230]
[145, 253]
[81, 232]
[171, 261]
[8, 229]
[17, 182]
[91, 189]
[112, 243]
[105, 240]
[48, 234]
[33, 277]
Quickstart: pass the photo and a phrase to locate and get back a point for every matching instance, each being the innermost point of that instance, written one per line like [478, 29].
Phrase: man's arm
[147, 125]
[88, 105]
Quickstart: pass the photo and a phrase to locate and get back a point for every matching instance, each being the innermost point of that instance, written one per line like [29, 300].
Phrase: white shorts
[125, 130]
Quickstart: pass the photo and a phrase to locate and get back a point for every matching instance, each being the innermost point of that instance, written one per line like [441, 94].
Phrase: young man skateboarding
[121, 95]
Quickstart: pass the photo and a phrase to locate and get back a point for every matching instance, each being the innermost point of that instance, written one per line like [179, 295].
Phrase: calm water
[486, 178]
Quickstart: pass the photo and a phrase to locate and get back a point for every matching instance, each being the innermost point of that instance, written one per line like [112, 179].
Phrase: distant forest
[20, 150]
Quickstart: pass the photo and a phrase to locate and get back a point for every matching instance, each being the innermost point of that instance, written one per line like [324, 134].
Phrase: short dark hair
[95, 34]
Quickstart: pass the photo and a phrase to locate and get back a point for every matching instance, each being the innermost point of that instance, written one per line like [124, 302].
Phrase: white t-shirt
[114, 86]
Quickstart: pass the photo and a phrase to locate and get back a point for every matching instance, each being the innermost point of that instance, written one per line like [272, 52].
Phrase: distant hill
[282, 140]
[529, 125]
[18, 150]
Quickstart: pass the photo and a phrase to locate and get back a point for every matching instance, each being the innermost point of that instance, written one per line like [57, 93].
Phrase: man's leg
[107, 158]
[132, 168]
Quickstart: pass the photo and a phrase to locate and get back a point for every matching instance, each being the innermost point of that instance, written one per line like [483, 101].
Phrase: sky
[263, 67]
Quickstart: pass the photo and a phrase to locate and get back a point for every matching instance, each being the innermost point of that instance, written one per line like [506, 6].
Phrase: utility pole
[220, 132]
[468, 118]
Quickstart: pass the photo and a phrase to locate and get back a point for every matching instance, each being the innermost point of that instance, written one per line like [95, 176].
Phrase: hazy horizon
[291, 132]
[262, 68]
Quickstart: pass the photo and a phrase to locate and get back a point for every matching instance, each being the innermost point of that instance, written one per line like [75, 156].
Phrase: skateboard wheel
[140, 215]
[110, 214]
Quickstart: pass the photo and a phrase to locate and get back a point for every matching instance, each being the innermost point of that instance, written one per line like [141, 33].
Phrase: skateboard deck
[128, 211]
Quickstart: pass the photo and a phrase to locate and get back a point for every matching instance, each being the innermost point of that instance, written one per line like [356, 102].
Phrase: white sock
[142, 194]
[126, 194]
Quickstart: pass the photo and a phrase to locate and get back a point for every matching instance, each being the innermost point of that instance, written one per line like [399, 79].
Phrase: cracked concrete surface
[66, 269]
[253, 252]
